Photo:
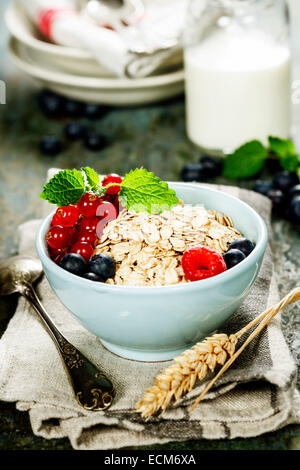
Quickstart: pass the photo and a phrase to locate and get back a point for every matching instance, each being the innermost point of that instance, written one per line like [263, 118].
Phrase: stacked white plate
[75, 73]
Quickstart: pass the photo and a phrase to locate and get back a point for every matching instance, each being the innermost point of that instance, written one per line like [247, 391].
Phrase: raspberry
[112, 179]
[202, 262]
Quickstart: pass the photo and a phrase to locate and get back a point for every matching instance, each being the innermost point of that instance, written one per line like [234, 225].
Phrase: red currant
[57, 259]
[88, 224]
[66, 216]
[54, 253]
[88, 204]
[84, 249]
[202, 262]
[59, 237]
[88, 237]
[113, 178]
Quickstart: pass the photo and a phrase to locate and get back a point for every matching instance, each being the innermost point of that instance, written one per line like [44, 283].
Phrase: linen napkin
[256, 395]
[136, 50]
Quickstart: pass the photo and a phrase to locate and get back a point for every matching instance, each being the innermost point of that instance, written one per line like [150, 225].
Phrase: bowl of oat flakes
[148, 310]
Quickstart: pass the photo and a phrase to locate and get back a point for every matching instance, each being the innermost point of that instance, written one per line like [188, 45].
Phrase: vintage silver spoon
[94, 391]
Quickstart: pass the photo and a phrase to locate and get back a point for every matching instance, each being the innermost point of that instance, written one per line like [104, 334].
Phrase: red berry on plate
[113, 178]
[106, 212]
[202, 262]
[88, 204]
[66, 216]
[89, 224]
[84, 249]
[59, 237]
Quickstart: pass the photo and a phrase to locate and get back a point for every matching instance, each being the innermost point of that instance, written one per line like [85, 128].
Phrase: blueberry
[285, 180]
[94, 141]
[50, 145]
[73, 108]
[242, 244]
[295, 191]
[103, 266]
[263, 187]
[294, 210]
[278, 200]
[74, 131]
[212, 166]
[93, 277]
[51, 104]
[233, 257]
[73, 263]
[194, 172]
[94, 111]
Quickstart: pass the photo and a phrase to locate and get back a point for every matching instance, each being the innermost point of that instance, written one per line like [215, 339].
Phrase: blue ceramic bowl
[158, 323]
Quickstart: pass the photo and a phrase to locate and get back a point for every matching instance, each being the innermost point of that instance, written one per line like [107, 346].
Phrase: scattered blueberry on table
[94, 141]
[207, 168]
[283, 191]
[50, 145]
[54, 106]
[74, 130]
[51, 104]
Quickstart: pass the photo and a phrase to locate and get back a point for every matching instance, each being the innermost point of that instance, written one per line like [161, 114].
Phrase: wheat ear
[193, 364]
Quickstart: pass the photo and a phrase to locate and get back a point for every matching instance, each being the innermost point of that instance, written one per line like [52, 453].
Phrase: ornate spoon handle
[93, 391]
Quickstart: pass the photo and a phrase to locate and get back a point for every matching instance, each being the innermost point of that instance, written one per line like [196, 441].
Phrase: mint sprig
[92, 177]
[141, 190]
[250, 158]
[66, 187]
[246, 161]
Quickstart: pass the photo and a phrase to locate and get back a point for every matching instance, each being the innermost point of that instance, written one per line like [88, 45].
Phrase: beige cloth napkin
[256, 395]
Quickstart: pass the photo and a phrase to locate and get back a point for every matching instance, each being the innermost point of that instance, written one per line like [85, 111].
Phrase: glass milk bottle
[238, 65]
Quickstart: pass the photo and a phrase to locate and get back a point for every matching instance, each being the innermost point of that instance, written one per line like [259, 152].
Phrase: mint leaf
[290, 162]
[142, 191]
[246, 161]
[281, 147]
[92, 176]
[66, 187]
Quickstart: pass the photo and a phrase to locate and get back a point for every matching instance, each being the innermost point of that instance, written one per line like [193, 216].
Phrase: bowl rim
[228, 275]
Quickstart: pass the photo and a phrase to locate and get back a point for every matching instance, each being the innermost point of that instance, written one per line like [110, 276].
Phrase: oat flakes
[148, 248]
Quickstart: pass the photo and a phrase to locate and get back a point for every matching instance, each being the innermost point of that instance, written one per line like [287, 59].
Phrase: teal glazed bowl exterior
[158, 323]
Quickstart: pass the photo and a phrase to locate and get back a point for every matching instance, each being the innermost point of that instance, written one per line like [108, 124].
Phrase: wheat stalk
[193, 364]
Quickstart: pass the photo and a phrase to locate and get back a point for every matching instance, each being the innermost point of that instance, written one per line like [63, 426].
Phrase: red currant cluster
[77, 228]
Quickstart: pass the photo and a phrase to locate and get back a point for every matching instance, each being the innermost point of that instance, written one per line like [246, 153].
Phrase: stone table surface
[151, 136]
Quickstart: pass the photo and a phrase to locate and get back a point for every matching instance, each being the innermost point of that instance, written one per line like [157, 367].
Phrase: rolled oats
[148, 248]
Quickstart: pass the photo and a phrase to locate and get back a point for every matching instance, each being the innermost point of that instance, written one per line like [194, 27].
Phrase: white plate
[111, 91]
[60, 58]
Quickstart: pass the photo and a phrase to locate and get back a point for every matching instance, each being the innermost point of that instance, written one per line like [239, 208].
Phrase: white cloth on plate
[135, 51]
